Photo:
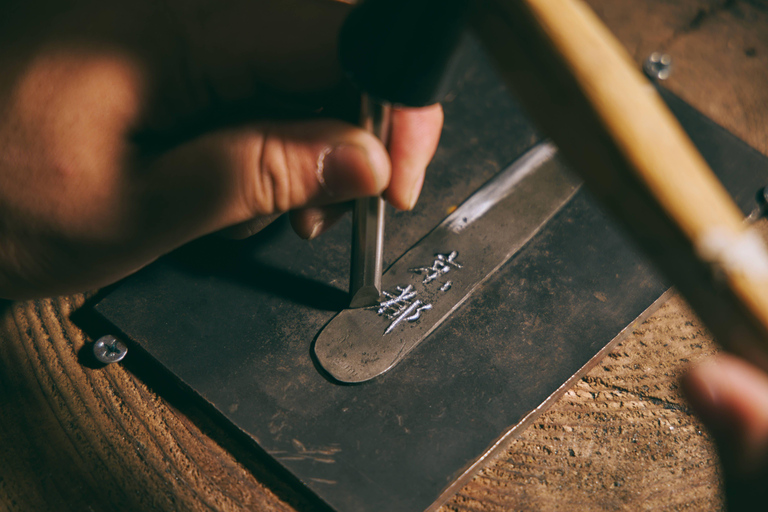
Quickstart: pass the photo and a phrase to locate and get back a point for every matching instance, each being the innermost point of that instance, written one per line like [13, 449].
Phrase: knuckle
[255, 191]
[267, 186]
[276, 168]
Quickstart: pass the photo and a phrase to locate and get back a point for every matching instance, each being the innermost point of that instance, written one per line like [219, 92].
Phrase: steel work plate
[235, 322]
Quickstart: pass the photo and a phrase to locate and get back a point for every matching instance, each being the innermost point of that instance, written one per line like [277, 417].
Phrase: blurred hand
[731, 396]
[130, 128]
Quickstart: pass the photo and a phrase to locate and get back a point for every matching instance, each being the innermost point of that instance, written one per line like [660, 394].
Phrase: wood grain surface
[74, 437]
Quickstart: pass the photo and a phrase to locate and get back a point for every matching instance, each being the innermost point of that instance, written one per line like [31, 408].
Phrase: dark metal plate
[235, 322]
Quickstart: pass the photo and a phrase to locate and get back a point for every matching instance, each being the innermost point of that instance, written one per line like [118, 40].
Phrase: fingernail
[317, 228]
[348, 171]
[707, 375]
[416, 192]
[702, 385]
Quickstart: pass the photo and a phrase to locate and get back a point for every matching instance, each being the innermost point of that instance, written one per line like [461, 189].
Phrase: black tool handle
[400, 51]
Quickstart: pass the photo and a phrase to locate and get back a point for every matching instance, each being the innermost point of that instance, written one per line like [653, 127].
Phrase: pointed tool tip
[365, 297]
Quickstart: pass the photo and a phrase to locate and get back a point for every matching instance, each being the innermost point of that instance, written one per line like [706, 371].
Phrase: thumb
[232, 176]
[731, 396]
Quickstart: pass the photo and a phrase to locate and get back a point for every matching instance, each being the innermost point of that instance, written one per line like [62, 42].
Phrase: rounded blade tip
[338, 345]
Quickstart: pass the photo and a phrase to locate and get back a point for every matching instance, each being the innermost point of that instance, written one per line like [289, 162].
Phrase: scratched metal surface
[235, 322]
[426, 284]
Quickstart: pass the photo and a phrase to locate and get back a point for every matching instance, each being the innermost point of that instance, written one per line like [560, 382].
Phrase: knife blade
[425, 285]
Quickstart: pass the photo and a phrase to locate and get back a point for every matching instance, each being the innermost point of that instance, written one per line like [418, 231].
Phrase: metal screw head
[109, 349]
[759, 211]
[658, 66]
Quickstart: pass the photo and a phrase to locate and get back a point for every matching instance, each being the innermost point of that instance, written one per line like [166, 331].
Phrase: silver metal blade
[437, 275]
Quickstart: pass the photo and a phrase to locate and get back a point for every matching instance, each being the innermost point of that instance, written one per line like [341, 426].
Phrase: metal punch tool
[368, 220]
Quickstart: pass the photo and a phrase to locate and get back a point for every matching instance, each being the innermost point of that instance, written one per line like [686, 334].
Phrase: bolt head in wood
[109, 349]
[658, 66]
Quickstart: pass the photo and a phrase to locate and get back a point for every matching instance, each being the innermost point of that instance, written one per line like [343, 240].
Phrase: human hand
[130, 128]
[731, 397]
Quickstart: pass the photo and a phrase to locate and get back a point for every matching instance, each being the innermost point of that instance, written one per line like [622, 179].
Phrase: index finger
[412, 144]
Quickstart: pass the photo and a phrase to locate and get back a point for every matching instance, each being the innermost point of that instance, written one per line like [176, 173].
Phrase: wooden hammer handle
[581, 87]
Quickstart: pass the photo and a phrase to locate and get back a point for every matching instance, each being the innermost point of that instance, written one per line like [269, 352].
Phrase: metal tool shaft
[368, 221]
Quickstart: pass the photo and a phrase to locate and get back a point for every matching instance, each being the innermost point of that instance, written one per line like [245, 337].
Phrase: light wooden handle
[582, 88]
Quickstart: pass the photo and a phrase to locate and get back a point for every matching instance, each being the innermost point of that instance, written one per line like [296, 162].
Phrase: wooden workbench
[74, 438]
